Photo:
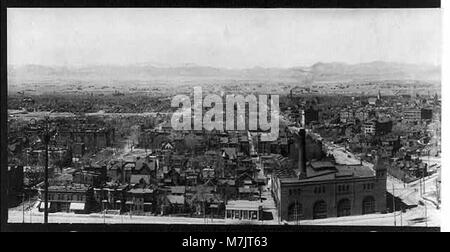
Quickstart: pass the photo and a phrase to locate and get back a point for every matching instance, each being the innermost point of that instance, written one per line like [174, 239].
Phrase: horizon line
[187, 64]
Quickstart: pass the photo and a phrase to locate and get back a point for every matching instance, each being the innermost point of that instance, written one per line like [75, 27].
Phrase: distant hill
[317, 72]
[375, 71]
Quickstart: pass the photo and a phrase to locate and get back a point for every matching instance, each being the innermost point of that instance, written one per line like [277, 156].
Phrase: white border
[445, 217]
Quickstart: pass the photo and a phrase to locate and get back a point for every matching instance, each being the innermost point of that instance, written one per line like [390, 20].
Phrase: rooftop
[243, 205]
[176, 199]
[324, 170]
[141, 190]
[71, 187]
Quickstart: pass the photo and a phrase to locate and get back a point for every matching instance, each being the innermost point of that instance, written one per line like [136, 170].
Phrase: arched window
[320, 210]
[344, 208]
[368, 205]
[295, 211]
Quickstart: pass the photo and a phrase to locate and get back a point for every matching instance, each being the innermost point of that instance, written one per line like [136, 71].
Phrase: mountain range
[377, 70]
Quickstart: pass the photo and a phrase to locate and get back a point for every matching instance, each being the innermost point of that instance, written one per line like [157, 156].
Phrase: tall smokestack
[302, 148]
[303, 120]
[302, 152]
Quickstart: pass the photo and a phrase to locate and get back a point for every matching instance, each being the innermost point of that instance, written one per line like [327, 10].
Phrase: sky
[229, 38]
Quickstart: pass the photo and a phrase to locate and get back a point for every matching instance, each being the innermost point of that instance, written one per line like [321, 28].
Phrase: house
[191, 177]
[177, 203]
[128, 170]
[178, 162]
[247, 186]
[91, 178]
[146, 166]
[229, 153]
[138, 179]
[140, 201]
[111, 197]
[206, 201]
[167, 146]
[172, 177]
[114, 172]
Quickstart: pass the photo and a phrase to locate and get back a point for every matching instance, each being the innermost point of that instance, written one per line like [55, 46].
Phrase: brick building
[322, 189]
[69, 198]
[412, 115]
[427, 114]
[94, 138]
[375, 127]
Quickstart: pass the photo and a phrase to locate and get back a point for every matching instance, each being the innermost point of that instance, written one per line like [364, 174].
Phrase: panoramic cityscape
[322, 142]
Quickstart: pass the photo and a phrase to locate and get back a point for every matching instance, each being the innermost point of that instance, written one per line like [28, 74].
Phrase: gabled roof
[167, 146]
[230, 152]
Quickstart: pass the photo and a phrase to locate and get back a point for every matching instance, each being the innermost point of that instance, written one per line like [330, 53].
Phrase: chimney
[303, 120]
[302, 152]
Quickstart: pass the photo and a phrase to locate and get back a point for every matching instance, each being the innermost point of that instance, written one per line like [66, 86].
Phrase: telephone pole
[393, 204]
[401, 217]
[46, 136]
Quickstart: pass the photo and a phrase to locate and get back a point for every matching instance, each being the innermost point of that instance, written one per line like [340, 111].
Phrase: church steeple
[379, 95]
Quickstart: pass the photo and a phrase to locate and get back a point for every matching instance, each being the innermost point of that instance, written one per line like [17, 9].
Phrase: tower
[380, 166]
[300, 138]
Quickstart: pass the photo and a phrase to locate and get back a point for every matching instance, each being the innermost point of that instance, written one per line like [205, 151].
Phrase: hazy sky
[233, 38]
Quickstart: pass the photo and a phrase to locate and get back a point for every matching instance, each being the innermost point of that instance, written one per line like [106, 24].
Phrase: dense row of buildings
[400, 125]
[223, 174]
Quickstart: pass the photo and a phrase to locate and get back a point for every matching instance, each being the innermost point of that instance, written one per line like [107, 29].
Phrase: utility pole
[438, 190]
[103, 208]
[426, 215]
[46, 185]
[393, 204]
[46, 136]
[204, 212]
[30, 208]
[23, 207]
[422, 203]
[420, 186]
[425, 170]
[423, 181]
[401, 217]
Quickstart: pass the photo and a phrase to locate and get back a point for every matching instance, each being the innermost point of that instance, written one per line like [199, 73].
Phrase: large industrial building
[315, 189]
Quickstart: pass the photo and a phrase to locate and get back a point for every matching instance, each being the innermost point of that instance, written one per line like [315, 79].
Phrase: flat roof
[336, 172]
[141, 190]
[243, 205]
